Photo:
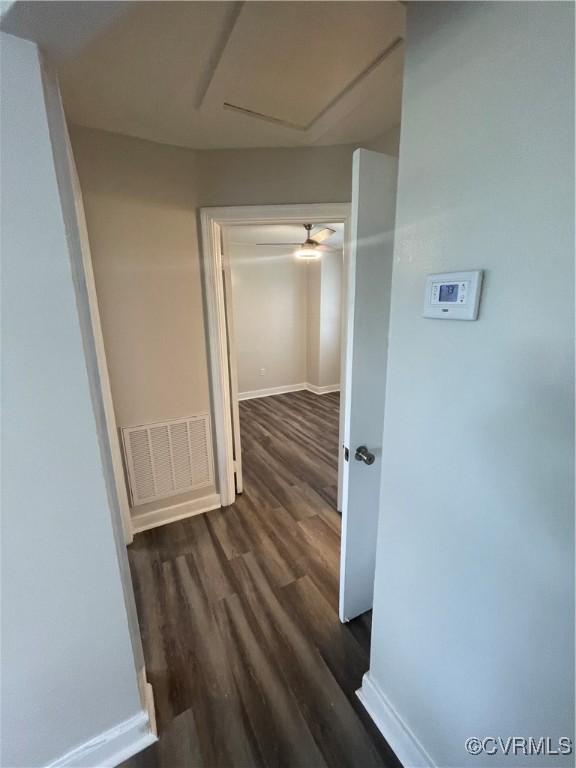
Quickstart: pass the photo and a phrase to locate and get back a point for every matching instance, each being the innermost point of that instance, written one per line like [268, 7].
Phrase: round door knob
[363, 454]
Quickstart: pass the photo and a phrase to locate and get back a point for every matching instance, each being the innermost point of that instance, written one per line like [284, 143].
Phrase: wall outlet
[262, 371]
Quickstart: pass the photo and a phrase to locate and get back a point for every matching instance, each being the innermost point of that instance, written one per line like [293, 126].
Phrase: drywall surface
[275, 176]
[330, 318]
[287, 175]
[388, 142]
[324, 319]
[270, 317]
[314, 329]
[68, 670]
[473, 624]
[286, 318]
[140, 202]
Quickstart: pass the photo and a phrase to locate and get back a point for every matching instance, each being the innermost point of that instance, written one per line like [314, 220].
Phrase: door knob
[363, 454]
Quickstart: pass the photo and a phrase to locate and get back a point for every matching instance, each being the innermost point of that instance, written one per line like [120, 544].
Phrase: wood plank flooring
[238, 610]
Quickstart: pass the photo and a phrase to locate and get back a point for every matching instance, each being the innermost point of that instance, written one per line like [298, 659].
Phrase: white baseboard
[174, 512]
[270, 391]
[323, 390]
[267, 392]
[403, 742]
[111, 747]
[147, 698]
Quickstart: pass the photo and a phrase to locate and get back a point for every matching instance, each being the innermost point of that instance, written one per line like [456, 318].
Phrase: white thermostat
[453, 295]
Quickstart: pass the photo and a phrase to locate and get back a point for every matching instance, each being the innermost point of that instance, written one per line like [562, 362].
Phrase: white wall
[68, 667]
[324, 319]
[270, 317]
[473, 625]
[314, 329]
[330, 318]
[286, 318]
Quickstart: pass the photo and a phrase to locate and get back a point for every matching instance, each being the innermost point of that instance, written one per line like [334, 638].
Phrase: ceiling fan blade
[322, 234]
[327, 249]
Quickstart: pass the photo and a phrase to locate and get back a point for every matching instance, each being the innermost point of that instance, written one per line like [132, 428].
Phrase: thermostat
[453, 295]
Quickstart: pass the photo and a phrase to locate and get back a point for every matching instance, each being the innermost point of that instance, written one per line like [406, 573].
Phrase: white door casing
[232, 360]
[213, 221]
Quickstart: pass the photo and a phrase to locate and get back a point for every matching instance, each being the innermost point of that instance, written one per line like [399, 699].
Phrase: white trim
[233, 364]
[269, 391]
[212, 220]
[253, 394]
[147, 698]
[174, 512]
[218, 354]
[323, 390]
[111, 747]
[401, 739]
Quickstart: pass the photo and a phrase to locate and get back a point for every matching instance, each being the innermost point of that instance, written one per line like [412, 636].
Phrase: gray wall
[473, 626]
[140, 202]
[68, 669]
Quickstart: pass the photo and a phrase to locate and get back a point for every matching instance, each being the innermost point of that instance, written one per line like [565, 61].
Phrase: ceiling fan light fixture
[309, 249]
[308, 252]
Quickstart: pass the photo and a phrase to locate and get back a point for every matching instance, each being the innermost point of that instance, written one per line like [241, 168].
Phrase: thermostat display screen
[453, 295]
[449, 292]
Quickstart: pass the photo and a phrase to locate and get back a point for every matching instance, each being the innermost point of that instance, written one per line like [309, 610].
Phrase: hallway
[238, 609]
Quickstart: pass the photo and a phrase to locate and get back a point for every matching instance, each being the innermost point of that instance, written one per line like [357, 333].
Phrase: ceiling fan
[312, 247]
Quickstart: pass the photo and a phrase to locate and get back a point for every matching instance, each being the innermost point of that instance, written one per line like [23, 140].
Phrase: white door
[369, 281]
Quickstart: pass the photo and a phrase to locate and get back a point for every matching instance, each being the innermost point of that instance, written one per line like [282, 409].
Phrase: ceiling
[282, 234]
[228, 74]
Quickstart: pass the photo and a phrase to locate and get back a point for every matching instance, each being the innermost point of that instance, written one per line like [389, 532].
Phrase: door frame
[212, 222]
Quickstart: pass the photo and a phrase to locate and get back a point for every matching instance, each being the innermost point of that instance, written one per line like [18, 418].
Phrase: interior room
[284, 306]
[287, 307]
[288, 391]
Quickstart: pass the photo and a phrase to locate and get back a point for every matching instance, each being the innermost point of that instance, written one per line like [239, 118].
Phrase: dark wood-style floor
[238, 609]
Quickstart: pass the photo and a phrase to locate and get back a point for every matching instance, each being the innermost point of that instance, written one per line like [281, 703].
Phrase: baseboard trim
[270, 391]
[111, 747]
[174, 512]
[396, 732]
[147, 698]
[323, 390]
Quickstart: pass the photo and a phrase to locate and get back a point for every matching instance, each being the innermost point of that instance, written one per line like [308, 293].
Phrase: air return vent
[168, 458]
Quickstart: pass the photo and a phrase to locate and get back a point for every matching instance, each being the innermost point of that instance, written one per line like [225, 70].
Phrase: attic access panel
[289, 61]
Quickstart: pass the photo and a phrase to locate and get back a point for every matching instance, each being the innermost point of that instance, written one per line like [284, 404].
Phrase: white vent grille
[167, 458]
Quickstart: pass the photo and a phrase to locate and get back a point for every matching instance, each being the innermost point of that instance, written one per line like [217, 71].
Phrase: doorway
[216, 225]
[283, 306]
